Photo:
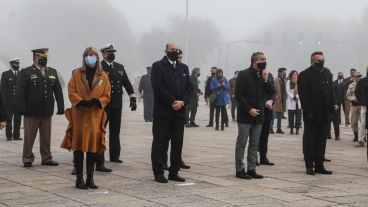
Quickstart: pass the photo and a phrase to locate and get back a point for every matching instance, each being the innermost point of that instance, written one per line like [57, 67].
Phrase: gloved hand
[60, 112]
[133, 104]
[96, 102]
[83, 103]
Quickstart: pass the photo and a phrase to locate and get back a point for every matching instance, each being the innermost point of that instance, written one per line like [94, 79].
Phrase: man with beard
[8, 91]
[316, 97]
[118, 79]
[36, 88]
[251, 88]
[172, 92]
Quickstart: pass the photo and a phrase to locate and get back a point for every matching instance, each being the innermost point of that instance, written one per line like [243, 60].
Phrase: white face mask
[90, 60]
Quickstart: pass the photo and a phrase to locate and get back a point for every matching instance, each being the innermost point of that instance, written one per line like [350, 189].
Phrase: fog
[220, 33]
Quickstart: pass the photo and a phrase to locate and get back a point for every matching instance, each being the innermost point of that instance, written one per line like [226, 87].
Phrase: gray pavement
[210, 182]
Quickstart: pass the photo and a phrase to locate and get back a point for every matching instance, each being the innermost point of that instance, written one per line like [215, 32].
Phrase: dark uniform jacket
[145, 85]
[361, 91]
[118, 79]
[207, 89]
[339, 92]
[8, 87]
[250, 92]
[36, 94]
[316, 95]
[168, 85]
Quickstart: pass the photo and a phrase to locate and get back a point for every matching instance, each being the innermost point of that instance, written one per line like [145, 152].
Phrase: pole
[186, 33]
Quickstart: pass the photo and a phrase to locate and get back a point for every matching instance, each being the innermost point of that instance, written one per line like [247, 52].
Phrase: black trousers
[114, 121]
[165, 130]
[295, 118]
[314, 144]
[148, 107]
[263, 140]
[78, 159]
[191, 111]
[212, 111]
[13, 131]
[234, 106]
[224, 117]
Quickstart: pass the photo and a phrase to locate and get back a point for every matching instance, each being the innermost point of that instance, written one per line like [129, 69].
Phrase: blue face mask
[90, 60]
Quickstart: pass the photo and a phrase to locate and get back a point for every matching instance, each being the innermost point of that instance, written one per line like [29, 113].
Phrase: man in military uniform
[8, 90]
[145, 89]
[37, 89]
[118, 79]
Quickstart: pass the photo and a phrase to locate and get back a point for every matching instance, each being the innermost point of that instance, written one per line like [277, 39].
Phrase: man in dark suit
[37, 89]
[317, 100]
[118, 79]
[338, 86]
[145, 89]
[172, 92]
[268, 117]
[251, 89]
[207, 94]
[191, 109]
[8, 91]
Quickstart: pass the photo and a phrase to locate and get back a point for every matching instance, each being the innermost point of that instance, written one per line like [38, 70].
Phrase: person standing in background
[347, 103]
[361, 93]
[220, 87]
[191, 109]
[209, 98]
[280, 100]
[293, 103]
[355, 105]
[234, 104]
[146, 92]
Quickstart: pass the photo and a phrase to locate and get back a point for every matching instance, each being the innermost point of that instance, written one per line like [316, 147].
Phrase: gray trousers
[253, 131]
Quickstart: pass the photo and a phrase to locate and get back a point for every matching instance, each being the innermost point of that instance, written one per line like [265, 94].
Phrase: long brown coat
[280, 102]
[86, 131]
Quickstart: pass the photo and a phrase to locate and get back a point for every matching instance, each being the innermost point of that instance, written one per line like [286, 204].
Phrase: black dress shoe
[279, 131]
[266, 162]
[160, 179]
[27, 164]
[51, 163]
[8, 139]
[74, 172]
[18, 138]
[326, 160]
[176, 177]
[243, 175]
[310, 171]
[187, 125]
[322, 170]
[272, 132]
[257, 164]
[209, 125]
[102, 168]
[116, 160]
[253, 174]
[193, 124]
[184, 166]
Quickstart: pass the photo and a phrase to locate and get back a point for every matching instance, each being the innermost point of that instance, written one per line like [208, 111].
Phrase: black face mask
[213, 74]
[198, 74]
[110, 57]
[15, 67]
[219, 77]
[173, 55]
[42, 62]
[340, 77]
[320, 64]
[262, 65]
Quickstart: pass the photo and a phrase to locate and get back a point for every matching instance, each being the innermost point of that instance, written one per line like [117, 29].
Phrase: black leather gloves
[133, 104]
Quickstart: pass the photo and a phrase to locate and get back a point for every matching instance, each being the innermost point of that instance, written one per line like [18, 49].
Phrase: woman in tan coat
[89, 93]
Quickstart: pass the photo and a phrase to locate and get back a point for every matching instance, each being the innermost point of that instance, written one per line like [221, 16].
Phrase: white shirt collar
[109, 63]
[14, 71]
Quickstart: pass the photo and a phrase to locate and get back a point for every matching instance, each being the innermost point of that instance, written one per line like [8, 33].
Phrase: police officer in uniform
[37, 89]
[145, 89]
[118, 79]
[8, 90]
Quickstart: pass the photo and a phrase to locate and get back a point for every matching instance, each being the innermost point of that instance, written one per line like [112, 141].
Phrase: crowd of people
[171, 97]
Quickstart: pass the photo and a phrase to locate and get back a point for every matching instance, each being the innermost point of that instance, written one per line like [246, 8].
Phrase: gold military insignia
[52, 77]
[33, 76]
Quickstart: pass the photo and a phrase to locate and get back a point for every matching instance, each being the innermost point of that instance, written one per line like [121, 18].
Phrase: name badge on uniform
[52, 77]
[100, 83]
[10, 79]
[184, 75]
[121, 73]
[33, 76]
